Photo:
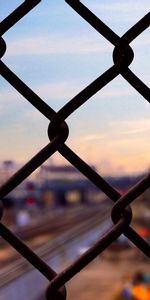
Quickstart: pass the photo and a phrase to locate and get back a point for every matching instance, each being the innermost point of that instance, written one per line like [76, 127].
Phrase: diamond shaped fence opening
[58, 132]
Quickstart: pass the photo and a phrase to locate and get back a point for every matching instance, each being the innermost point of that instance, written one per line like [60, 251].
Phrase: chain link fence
[58, 132]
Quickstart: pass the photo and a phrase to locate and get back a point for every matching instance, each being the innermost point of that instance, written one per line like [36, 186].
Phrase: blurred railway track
[53, 222]
[62, 235]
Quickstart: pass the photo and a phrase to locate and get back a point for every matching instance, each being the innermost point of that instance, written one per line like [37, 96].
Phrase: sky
[57, 54]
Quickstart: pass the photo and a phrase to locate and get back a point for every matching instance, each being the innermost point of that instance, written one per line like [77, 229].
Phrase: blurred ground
[105, 278]
[107, 275]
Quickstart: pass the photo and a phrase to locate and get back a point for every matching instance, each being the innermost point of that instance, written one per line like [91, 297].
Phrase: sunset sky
[56, 53]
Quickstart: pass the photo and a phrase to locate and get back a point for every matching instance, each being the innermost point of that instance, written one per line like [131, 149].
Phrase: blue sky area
[56, 53]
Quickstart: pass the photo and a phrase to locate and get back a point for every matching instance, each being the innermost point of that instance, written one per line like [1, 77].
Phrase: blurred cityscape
[59, 213]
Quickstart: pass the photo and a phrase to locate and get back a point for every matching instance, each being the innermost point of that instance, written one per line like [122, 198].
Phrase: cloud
[11, 98]
[141, 41]
[8, 100]
[123, 148]
[132, 127]
[55, 95]
[117, 10]
[114, 156]
[59, 90]
[93, 137]
[56, 44]
[118, 6]
[60, 45]
[88, 138]
[67, 89]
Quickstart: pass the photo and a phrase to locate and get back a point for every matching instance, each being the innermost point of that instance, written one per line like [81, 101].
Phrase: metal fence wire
[58, 132]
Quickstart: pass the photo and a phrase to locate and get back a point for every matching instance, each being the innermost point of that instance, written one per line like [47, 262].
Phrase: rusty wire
[58, 132]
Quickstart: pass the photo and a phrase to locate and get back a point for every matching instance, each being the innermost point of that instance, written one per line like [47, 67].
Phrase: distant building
[62, 185]
[7, 168]
[61, 173]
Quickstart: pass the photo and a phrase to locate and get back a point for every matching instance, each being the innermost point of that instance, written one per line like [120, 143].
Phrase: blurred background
[57, 211]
